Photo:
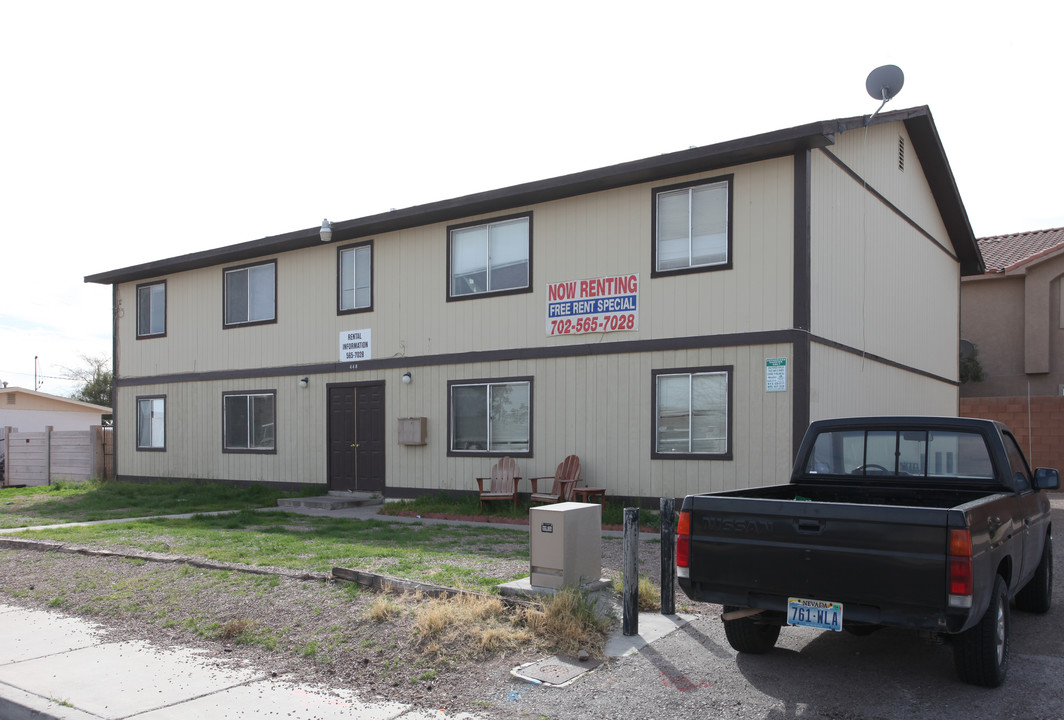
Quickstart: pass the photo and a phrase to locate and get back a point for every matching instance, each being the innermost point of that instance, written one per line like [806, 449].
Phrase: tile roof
[1003, 252]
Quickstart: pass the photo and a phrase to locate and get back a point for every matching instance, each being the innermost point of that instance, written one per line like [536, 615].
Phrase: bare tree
[95, 375]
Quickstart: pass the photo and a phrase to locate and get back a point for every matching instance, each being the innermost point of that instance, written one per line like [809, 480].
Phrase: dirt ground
[311, 629]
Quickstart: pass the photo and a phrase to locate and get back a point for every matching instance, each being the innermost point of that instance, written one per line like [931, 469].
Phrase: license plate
[821, 614]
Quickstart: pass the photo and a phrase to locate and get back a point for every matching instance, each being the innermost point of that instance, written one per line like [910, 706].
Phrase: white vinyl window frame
[151, 310]
[692, 413]
[249, 421]
[692, 227]
[489, 258]
[490, 418]
[151, 423]
[249, 294]
[354, 277]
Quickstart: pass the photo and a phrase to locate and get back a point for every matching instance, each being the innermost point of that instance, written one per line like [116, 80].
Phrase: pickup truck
[931, 524]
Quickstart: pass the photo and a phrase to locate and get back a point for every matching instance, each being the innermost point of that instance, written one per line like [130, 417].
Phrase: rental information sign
[606, 304]
[355, 345]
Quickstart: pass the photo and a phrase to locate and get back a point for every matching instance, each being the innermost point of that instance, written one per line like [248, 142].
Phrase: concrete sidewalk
[55, 666]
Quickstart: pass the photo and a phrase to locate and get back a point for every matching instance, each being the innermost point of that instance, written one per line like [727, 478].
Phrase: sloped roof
[779, 143]
[74, 404]
[1005, 252]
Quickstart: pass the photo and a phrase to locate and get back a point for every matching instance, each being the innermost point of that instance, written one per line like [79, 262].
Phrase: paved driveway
[694, 673]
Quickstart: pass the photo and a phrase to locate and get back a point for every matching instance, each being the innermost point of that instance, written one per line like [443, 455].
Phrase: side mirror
[1046, 479]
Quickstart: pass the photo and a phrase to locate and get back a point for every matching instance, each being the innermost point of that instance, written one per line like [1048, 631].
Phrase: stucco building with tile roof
[1014, 315]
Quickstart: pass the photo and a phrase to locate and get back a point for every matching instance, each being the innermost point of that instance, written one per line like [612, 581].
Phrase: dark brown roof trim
[932, 156]
[774, 144]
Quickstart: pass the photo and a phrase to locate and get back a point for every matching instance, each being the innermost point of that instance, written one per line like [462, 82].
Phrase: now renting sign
[606, 304]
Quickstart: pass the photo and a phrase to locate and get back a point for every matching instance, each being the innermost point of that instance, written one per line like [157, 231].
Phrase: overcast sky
[136, 131]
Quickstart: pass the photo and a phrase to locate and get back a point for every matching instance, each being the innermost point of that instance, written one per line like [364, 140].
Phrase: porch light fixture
[303, 382]
[407, 377]
[326, 231]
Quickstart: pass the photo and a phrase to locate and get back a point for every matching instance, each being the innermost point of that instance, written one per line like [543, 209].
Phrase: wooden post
[48, 453]
[5, 451]
[630, 619]
[668, 558]
[95, 453]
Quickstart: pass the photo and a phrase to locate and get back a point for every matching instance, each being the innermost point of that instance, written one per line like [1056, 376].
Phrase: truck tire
[746, 635]
[981, 653]
[1037, 595]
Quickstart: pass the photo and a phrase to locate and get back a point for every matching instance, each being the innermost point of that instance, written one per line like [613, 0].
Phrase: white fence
[42, 457]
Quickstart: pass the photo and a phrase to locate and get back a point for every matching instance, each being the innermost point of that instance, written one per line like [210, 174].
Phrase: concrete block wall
[1039, 427]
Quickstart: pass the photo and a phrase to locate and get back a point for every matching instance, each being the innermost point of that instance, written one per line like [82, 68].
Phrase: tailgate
[865, 555]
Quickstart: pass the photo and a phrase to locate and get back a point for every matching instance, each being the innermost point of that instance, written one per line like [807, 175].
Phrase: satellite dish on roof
[884, 83]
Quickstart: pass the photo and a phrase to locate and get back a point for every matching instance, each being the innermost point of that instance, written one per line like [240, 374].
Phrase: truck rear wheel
[981, 653]
[1037, 595]
[746, 635]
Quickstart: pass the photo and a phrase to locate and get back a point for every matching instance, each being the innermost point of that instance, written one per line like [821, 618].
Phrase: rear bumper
[911, 618]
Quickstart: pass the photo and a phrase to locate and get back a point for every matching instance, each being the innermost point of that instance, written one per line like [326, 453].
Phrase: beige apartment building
[675, 321]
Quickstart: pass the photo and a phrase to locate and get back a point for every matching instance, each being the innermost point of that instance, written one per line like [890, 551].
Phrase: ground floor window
[491, 417]
[151, 423]
[692, 413]
[248, 421]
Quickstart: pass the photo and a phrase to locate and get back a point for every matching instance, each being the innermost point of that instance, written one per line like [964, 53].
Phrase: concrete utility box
[565, 544]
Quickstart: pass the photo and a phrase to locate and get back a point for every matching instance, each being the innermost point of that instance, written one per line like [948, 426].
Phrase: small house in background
[45, 437]
[675, 322]
[32, 411]
[1013, 314]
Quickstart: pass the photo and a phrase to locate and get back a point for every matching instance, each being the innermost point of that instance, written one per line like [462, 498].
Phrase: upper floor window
[691, 413]
[355, 278]
[248, 421]
[151, 309]
[251, 294]
[490, 257]
[491, 417]
[151, 423]
[692, 227]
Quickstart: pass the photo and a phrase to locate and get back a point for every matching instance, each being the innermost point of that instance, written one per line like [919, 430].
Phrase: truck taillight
[960, 568]
[683, 544]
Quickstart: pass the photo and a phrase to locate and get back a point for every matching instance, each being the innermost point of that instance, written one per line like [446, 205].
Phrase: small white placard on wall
[355, 346]
[775, 375]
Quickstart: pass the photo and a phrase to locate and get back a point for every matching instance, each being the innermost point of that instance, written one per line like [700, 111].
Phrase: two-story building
[675, 321]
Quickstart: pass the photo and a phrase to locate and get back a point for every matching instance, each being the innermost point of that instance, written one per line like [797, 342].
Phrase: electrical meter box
[565, 544]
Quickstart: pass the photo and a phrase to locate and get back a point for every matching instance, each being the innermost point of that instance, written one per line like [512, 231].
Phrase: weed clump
[470, 625]
[568, 622]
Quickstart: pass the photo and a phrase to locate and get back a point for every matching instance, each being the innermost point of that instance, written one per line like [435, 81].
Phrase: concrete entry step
[333, 501]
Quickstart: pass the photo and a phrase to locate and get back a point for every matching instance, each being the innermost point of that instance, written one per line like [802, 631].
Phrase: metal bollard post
[668, 557]
[630, 617]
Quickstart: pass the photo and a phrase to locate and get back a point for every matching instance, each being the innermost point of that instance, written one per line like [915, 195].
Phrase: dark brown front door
[356, 437]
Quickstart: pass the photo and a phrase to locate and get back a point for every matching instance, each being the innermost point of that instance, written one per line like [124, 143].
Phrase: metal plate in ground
[556, 671]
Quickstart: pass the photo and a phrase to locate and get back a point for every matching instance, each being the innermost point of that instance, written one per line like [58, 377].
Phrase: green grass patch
[318, 544]
[94, 500]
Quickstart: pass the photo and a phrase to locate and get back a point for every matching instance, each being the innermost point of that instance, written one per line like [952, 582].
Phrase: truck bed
[758, 547]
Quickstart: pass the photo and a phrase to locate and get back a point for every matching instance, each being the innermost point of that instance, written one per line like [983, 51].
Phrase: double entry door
[356, 437]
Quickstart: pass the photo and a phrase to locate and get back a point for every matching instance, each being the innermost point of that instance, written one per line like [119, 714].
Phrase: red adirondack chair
[504, 477]
[565, 479]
